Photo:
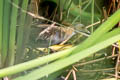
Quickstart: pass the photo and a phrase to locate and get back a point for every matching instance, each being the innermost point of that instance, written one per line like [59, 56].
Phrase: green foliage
[1, 17]
[101, 38]
[12, 34]
[5, 30]
[87, 49]
[8, 22]
[20, 32]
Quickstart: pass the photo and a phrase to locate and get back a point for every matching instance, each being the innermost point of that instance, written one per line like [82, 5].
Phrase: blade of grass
[92, 13]
[68, 8]
[21, 23]
[108, 35]
[86, 6]
[5, 34]
[98, 8]
[79, 16]
[62, 63]
[27, 28]
[1, 21]
[80, 10]
[11, 54]
[76, 18]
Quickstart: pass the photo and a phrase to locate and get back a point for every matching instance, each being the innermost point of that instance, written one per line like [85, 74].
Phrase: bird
[60, 35]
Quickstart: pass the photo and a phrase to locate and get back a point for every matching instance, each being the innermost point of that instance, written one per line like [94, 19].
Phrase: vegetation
[22, 56]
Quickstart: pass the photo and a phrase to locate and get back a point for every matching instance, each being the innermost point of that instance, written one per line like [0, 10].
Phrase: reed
[12, 34]
[101, 38]
[5, 31]
[89, 46]
[21, 23]
[92, 14]
[1, 19]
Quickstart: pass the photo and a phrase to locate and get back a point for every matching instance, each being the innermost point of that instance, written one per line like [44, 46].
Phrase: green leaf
[5, 34]
[1, 20]
[21, 23]
[14, 13]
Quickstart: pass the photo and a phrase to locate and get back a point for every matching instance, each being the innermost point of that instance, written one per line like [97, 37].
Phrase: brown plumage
[58, 34]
